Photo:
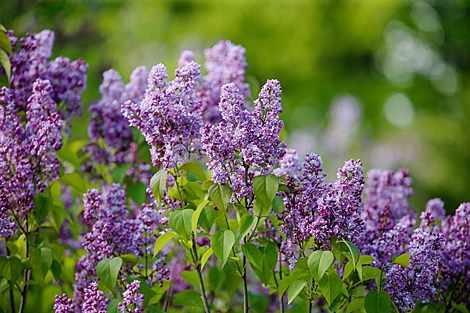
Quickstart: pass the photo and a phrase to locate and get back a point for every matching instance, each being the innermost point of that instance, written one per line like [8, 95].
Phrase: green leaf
[330, 286]
[188, 298]
[220, 195]
[319, 262]
[195, 169]
[216, 278]
[370, 272]
[180, 222]
[348, 269]
[10, 268]
[65, 154]
[221, 243]
[137, 192]
[129, 258]
[207, 218]
[253, 255]
[158, 184]
[3, 303]
[294, 289]
[197, 213]
[278, 204]
[460, 307]
[113, 306]
[107, 270]
[355, 254]
[366, 259]
[269, 263]
[265, 188]
[74, 180]
[259, 209]
[284, 284]
[41, 261]
[42, 206]
[154, 308]
[245, 225]
[206, 185]
[403, 260]
[355, 305]
[57, 215]
[377, 301]
[5, 43]
[233, 225]
[56, 269]
[192, 278]
[206, 257]
[162, 240]
[120, 173]
[5, 63]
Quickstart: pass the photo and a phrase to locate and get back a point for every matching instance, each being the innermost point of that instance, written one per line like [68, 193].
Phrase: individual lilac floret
[454, 273]
[415, 283]
[386, 202]
[167, 115]
[94, 300]
[244, 140]
[289, 164]
[28, 145]
[133, 301]
[63, 304]
[109, 125]
[226, 63]
[30, 61]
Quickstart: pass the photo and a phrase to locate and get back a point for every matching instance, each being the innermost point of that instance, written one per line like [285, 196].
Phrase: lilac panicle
[63, 304]
[253, 136]
[454, 272]
[109, 125]
[315, 209]
[186, 57]
[167, 115]
[7, 226]
[415, 283]
[94, 300]
[30, 61]
[28, 146]
[133, 301]
[436, 208]
[226, 63]
[289, 164]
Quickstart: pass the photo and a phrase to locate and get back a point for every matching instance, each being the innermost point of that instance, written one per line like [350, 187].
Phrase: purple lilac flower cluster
[30, 61]
[28, 146]
[7, 226]
[454, 273]
[289, 164]
[93, 302]
[244, 140]
[226, 63]
[133, 301]
[114, 232]
[167, 114]
[111, 139]
[415, 283]
[315, 209]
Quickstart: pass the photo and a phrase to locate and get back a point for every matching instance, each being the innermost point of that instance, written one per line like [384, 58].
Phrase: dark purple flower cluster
[226, 63]
[167, 115]
[28, 161]
[30, 61]
[114, 233]
[93, 301]
[111, 139]
[244, 140]
[454, 273]
[7, 226]
[315, 209]
[133, 301]
[415, 283]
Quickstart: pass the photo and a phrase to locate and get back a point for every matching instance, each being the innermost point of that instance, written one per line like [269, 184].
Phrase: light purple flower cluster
[167, 115]
[289, 164]
[415, 283]
[387, 201]
[30, 61]
[7, 226]
[28, 161]
[113, 233]
[244, 140]
[133, 301]
[454, 273]
[315, 209]
[93, 302]
[226, 63]
[111, 139]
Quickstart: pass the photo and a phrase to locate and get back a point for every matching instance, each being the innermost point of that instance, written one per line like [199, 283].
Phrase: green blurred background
[381, 80]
